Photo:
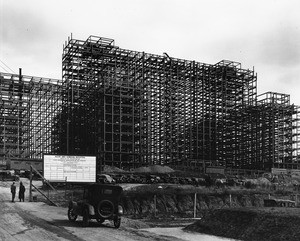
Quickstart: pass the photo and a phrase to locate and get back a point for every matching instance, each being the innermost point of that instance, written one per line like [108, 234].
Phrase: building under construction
[28, 106]
[133, 109]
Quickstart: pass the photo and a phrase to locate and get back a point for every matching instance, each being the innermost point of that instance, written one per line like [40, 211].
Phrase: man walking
[13, 191]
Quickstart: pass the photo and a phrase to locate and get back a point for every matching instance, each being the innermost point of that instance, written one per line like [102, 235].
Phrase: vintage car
[100, 202]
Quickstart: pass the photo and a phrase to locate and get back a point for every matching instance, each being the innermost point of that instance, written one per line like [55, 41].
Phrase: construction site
[132, 109]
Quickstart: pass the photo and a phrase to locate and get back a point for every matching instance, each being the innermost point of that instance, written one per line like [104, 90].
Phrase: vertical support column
[68, 123]
[195, 205]
[30, 184]
[19, 114]
[154, 205]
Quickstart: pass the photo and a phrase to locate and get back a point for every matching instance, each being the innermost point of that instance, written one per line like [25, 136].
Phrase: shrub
[250, 184]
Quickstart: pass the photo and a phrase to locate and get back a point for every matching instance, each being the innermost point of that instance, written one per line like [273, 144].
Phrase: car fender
[78, 208]
[73, 205]
[90, 208]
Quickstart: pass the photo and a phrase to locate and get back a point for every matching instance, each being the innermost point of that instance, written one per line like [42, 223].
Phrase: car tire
[86, 218]
[117, 222]
[71, 216]
[105, 209]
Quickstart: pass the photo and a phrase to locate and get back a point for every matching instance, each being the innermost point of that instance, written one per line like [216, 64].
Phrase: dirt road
[36, 221]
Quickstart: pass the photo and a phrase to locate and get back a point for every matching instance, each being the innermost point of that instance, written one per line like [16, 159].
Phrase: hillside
[259, 224]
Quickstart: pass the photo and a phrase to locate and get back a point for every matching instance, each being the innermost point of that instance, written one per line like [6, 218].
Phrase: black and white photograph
[150, 120]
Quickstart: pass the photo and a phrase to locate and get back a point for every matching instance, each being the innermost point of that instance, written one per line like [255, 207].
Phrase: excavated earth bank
[240, 216]
[141, 205]
[262, 224]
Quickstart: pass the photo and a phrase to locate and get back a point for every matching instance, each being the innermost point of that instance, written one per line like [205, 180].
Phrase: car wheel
[86, 218]
[100, 220]
[105, 209]
[71, 216]
[117, 222]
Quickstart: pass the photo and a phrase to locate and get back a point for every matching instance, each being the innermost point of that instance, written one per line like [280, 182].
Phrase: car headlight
[120, 210]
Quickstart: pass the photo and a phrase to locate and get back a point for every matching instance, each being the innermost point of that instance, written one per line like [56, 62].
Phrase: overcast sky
[264, 34]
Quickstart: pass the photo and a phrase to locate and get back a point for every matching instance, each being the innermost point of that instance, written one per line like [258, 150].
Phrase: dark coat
[13, 188]
[21, 191]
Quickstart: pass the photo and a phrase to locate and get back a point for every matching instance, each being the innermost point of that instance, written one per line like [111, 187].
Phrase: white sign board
[70, 168]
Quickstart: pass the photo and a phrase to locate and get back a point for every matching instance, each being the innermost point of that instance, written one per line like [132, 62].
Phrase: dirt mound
[154, 169]
[112, 169]
[283, 179]
[141, 170]
[243, 224]
[261, 181]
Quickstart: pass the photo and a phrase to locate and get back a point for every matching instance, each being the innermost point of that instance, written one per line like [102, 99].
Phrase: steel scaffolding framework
[28, 106]
[133, 108]
[278, 131]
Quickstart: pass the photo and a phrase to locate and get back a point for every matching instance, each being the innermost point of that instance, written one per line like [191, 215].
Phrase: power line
[4, 69]
[7, 66]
